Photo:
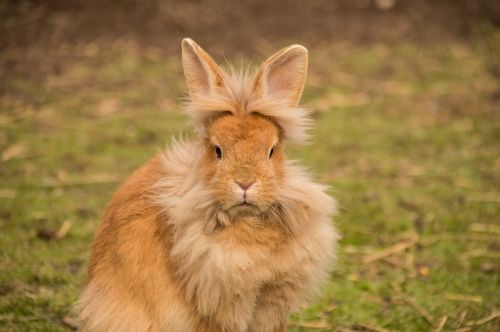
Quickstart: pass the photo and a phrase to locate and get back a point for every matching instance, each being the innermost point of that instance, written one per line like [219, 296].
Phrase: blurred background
[406, 100]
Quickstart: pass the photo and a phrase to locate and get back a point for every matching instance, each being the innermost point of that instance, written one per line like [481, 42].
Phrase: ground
[407, 136]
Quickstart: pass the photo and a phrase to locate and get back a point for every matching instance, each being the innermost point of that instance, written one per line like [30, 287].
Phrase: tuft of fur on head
[239, 98]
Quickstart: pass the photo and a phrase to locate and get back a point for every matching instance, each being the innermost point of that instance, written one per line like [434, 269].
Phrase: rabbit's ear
[283, 74]
[202, 74]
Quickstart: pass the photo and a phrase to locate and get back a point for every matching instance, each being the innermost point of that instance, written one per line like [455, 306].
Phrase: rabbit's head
[242, 119]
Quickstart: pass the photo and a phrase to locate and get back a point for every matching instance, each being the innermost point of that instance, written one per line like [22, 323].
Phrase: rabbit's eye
[271, 152]
[218, 152]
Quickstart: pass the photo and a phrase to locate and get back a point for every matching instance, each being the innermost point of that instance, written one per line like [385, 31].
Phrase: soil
[39, 37]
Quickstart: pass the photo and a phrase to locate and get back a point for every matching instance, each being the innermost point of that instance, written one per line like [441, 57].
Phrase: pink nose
[244, 185]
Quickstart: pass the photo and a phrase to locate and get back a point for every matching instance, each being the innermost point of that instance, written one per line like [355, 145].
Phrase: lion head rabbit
[221, 233]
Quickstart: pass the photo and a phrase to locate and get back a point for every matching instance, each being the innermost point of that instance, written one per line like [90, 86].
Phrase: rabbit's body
[184, 248]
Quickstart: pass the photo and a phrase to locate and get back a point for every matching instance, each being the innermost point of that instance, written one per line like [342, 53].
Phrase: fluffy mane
[238, 97]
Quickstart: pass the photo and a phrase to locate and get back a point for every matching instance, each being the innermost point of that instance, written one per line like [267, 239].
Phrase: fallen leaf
[53, 234]
[14, 151]
[107, 107]
[385, 4]
[488, 267]
[7, 193]
[423, 271]
[166, 105]
[353, 277]
[70, 322]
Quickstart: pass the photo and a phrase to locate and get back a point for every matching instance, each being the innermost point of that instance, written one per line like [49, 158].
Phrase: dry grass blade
[484, 228]
[398, 247]
[424, 313]
[396, 263]
[463, 298]
[442, 237]
[461, 318]
[373, 328]
[441, 323]
[316, 325]
[480, 253]
[63, 230]
[494, 315]
[485, 197]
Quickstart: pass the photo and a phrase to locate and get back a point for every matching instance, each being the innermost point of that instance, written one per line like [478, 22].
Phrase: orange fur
[184, 247]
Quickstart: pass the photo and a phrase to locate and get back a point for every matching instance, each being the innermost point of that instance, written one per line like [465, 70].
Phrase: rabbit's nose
[245, 185]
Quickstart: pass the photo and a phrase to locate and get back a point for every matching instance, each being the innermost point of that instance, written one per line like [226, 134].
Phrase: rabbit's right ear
[283, 74]
[203, 75]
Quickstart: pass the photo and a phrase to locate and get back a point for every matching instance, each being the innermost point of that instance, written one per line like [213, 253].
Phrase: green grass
[408, 138]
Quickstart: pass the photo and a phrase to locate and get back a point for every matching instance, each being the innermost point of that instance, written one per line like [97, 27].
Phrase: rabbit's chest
[228, 271]
[251, 253]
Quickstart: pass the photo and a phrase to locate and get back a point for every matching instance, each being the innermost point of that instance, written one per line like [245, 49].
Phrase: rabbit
[221, 233]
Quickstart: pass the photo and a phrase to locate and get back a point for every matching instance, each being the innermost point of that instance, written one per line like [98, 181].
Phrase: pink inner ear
[285, 76]
[281, 80]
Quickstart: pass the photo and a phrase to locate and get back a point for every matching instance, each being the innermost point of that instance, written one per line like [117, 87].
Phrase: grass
[407, 136]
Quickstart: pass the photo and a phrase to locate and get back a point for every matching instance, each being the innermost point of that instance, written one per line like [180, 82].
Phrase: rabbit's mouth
[245, 204]
[244, 207]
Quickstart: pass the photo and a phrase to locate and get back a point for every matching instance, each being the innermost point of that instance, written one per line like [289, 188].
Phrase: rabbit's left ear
[203, 75]
[283, 75]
